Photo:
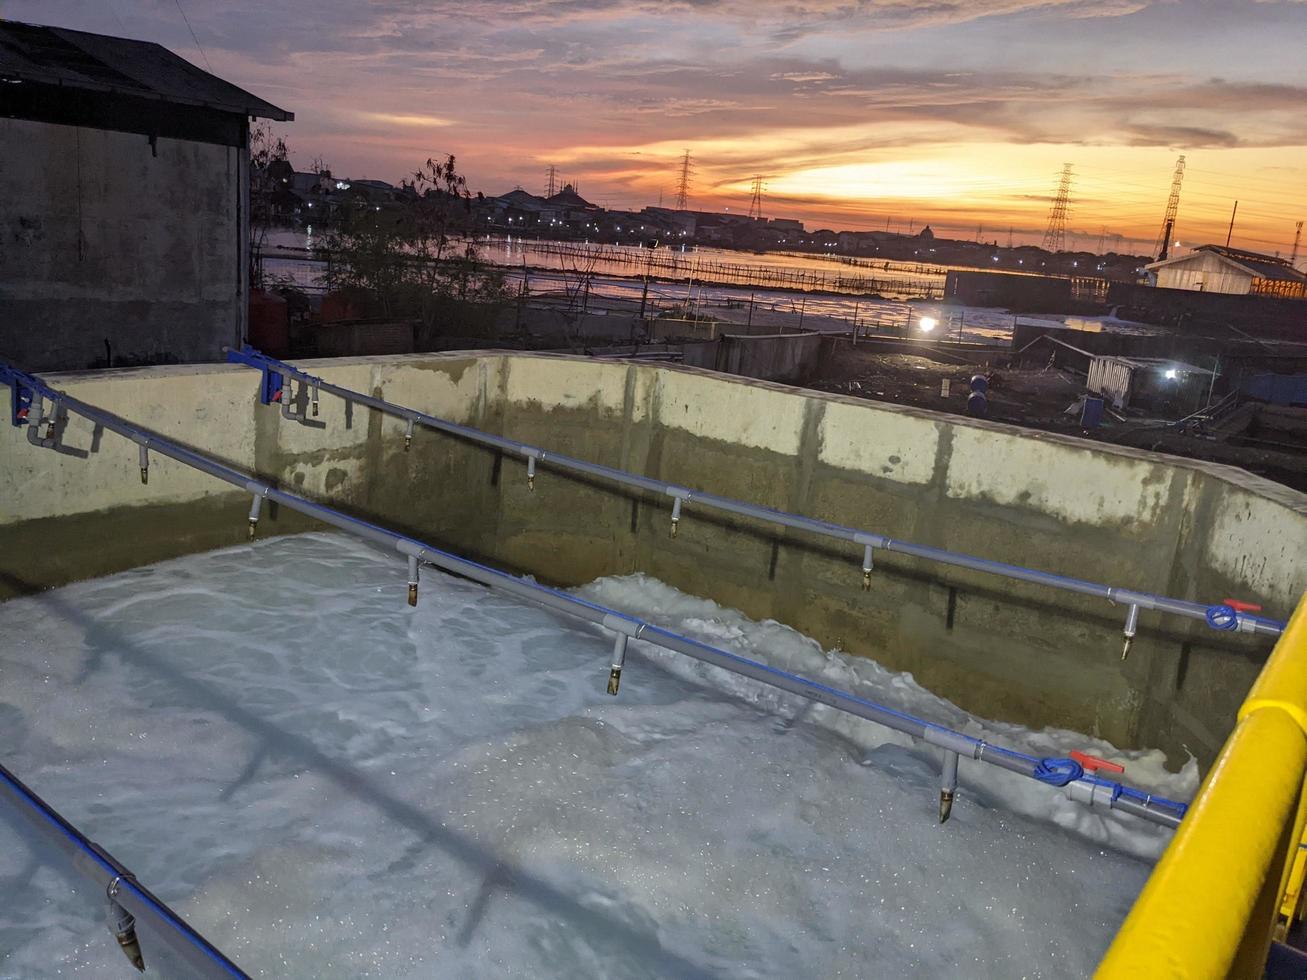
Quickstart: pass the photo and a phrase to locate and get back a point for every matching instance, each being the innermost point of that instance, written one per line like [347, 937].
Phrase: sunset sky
[956, 113]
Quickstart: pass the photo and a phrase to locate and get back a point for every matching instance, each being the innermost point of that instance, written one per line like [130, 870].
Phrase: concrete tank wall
[105, 240]
[1005, 650]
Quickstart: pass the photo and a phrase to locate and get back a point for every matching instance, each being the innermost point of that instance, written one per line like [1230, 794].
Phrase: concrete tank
[998, 648]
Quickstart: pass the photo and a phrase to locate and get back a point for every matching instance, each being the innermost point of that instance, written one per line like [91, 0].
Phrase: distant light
[927, 324]
[1171, 374]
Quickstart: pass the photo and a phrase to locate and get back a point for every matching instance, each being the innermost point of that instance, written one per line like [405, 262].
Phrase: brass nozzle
[866, 580]
[945, 805]
[614, 680]
[675, 524]
[408, 441]
[131, 947]
[531, 482]
[145, 474]
[1125, 650]
[412, 594]
[253, 523]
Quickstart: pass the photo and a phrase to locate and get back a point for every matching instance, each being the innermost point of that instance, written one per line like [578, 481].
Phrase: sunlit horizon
[890, 115]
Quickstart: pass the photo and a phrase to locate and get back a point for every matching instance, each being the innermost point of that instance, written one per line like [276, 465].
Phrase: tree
[270, 173]
[416, 256]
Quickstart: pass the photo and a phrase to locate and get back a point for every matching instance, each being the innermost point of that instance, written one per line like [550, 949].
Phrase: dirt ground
[1040, 398]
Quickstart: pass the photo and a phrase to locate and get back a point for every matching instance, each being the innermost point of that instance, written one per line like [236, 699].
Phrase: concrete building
[124, 205]
[1218, 269]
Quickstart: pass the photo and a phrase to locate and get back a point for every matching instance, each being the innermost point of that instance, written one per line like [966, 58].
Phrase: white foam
[326, 782]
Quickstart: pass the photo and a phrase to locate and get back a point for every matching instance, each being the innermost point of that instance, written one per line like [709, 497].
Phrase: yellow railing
[1212, 904]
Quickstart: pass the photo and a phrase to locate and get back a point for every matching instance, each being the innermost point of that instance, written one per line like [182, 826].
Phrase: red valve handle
[1090, 763]
[1239, 606]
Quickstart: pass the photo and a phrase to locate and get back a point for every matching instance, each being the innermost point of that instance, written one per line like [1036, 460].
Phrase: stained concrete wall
[110, 248]
[1005, 650]
[771, 357]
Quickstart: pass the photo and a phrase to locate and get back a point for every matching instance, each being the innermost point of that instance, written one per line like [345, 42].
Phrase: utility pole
[1230, 234]
[1172, 207]
[755, 203]
[1009, 236]
[683, 184]
[1055, 234]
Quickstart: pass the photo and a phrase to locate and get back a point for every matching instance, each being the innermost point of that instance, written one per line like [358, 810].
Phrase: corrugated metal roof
[76, 59]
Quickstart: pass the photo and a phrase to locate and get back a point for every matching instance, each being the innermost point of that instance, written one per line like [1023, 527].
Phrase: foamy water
[326, 782]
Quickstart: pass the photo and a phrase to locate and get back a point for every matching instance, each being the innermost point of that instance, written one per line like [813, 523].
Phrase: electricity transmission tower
[551, 178]
[1172, 206]
[683, 185]
[755, 203]
[1297, 240]
[1055, 236]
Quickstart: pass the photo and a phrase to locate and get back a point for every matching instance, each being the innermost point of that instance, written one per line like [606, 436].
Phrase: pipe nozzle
[412, 580]
[315, 402]
[945, 805]
[253, 523]
[1131, 628]
[145, 474]
[412, 593]
[131, 948]
[531, 474]
[408, 435]
[866, 580]
[123, 926]
[614, 680]
[675, 523]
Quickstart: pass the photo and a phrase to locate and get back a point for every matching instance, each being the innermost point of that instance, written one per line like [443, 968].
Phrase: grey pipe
[1144, 600]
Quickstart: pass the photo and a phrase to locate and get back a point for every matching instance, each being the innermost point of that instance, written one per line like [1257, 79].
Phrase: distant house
[1218, 269]
[124, 207]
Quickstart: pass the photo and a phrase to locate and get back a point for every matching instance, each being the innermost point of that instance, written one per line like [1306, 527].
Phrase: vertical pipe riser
[619, 661]
[412, 580]
[948, 785]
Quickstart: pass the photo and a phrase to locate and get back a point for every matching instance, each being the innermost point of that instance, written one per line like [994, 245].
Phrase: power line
[755, 203]
[683, 185]
[1055, 235]
[198, 46]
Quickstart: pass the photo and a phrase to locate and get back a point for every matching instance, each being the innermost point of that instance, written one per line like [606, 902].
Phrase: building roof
[97, 62]
[569, 198]
[522, 200]
[1254, 263]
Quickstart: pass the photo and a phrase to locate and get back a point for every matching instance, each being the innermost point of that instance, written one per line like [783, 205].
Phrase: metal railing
[1211, 906]
[1219, 616]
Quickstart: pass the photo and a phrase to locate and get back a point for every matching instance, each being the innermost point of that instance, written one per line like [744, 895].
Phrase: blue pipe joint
[20, 401]
[270, 385]
[1223, 618]
[1058, 772]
